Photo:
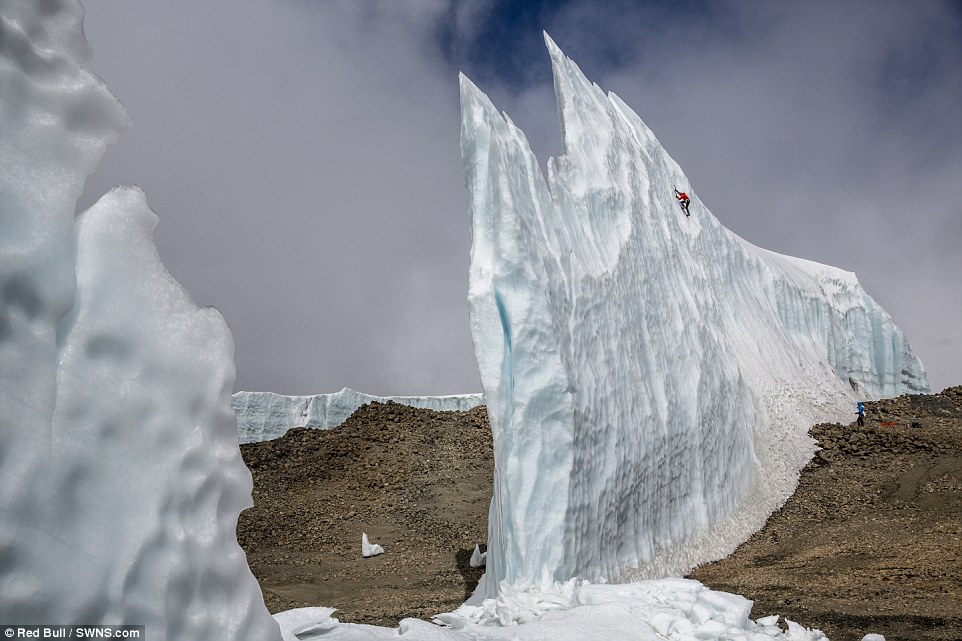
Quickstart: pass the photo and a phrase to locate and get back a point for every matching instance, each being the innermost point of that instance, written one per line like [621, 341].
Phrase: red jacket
[682, 196]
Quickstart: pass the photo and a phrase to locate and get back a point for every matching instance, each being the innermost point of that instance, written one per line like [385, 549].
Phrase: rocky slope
[870, 542]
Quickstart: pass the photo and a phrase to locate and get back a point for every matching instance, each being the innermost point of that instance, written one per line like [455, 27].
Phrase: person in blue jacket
[861, 414]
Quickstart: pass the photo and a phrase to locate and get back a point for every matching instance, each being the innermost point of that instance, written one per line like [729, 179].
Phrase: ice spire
[649, 377]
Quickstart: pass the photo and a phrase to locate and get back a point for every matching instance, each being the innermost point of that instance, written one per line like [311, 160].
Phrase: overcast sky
[303, 155]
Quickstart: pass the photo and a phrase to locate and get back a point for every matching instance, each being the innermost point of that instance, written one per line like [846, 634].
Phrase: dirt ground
[870, 542]
[417, 482]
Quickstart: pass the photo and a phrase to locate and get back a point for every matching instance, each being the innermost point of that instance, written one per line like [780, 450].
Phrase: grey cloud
[303, 159]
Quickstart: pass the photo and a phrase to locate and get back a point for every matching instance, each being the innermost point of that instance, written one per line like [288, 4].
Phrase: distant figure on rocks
[861, 414]
[683, 200]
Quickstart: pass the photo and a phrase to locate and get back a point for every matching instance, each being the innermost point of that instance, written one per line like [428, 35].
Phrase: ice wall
[649, 377]
[120, 476]
[262, 416]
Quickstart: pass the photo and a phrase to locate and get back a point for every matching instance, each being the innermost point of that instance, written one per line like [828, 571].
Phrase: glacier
[650, 378]
[120, 475]
[262, 416]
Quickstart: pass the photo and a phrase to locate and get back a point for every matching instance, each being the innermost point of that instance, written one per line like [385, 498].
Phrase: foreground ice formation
[649, 377]
[262, 416]
[120, 475]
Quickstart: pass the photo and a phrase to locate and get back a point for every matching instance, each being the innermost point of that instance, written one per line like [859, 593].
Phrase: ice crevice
[650, 377]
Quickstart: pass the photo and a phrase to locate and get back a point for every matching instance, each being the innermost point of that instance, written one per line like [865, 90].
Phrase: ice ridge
[649, 377]
[120, 476]
[262, 416]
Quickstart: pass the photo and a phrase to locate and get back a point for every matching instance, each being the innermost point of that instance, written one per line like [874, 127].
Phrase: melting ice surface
[650, 377]
[120, 474]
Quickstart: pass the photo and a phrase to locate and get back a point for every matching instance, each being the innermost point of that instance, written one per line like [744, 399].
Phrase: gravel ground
[870, 542]
[417, 482]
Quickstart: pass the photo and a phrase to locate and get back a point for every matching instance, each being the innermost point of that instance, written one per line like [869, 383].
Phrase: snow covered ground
[120, 473]
[675, 609]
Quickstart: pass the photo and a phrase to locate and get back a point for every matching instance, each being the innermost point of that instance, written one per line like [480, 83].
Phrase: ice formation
[478, 557]
[262, 416]
[649, 378]
[120, 475]
[672, 609]
[369, 549]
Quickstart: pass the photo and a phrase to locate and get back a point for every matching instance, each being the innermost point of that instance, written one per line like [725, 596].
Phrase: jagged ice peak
[650, 376]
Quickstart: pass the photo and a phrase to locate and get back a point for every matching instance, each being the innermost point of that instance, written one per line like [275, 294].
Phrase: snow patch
[478, 558]
[369, 549]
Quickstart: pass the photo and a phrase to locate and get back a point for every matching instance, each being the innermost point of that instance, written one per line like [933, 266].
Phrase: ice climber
[861, 414]
[683, 200]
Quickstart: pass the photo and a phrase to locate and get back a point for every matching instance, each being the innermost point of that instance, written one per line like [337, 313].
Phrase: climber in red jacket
[683, 200]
